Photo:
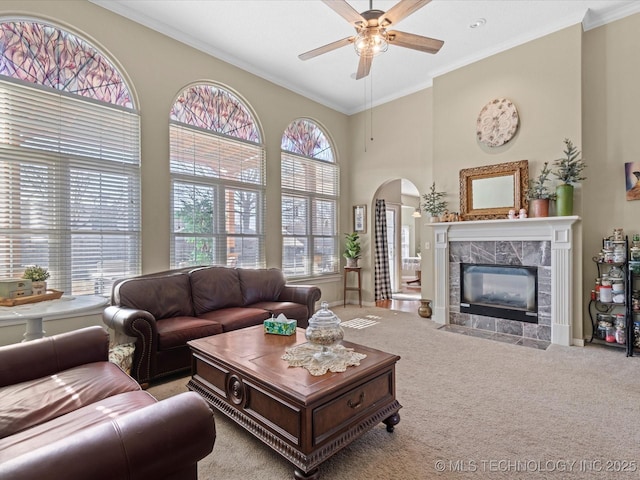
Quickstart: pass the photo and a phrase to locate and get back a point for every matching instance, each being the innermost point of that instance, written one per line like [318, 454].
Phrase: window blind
[218, 202]
[310, 190]
[70, 184]
[316, 177]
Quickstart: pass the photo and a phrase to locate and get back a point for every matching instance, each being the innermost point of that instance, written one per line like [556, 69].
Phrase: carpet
[472, 409]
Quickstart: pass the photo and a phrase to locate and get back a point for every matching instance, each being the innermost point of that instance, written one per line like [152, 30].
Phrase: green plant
[352, 246]
[538, 187]
[36, 273]
[433, 202]
[569, 169]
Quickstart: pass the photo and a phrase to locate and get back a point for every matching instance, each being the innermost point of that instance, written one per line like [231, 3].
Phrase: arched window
[69, 160]
[310, 195]
[217, 180]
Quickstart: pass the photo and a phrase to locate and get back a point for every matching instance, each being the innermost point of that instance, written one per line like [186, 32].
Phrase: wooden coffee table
[304, 418]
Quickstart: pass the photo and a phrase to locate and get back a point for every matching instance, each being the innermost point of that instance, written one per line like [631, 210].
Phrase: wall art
[632, 180]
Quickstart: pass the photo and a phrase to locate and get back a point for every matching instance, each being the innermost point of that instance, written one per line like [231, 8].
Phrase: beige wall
[430, 135]
[402, 147]
[543, 79]
[567, 84]
[611, 123]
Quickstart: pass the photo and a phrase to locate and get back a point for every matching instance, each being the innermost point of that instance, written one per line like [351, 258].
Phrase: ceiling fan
[372, 36]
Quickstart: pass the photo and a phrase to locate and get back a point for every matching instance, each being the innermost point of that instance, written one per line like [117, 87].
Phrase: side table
[358, 289]
[33, 314]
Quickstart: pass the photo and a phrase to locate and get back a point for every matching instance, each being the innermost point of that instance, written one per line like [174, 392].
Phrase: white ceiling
[265, 38]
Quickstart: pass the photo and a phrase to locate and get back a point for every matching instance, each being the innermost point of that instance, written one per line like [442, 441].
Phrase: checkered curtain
[382, 279]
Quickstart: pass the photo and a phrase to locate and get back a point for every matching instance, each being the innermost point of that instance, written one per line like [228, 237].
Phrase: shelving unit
[599, 309]
[633, 314]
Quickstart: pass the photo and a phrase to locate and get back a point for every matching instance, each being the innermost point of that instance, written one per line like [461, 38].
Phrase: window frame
[94, 131]
[315, 155]
[207, 136]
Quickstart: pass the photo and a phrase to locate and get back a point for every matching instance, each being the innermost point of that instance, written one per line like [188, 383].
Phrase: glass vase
[324, 330]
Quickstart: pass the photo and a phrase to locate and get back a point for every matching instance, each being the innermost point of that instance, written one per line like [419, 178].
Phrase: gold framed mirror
[489, 192]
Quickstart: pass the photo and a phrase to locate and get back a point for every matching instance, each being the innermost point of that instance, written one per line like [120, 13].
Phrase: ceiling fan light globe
[360, 43]
[371, 42]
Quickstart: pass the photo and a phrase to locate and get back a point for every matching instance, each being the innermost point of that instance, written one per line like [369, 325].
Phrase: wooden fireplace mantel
[557, 230]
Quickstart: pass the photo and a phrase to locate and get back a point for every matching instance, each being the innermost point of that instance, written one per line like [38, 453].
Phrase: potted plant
[569, 171]
[434, 204]
[38, 276]
[352, 249]
[539, 194]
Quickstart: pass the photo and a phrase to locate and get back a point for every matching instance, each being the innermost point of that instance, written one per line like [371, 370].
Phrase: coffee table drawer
[213, 375]
[281, 417]
[338, 413]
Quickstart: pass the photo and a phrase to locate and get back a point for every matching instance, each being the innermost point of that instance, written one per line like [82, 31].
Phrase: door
[393, 243]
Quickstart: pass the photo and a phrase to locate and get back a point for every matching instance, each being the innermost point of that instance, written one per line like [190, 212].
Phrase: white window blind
[218, 203]
[310, 190]
[307, 175]
[70, 188]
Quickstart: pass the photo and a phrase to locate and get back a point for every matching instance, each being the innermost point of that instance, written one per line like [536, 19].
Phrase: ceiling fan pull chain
[364, 132]
[371, 104]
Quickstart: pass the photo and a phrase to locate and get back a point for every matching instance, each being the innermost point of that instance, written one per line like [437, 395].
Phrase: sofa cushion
[30, 403]
[259, 285]
[289, 309]
[235, 318]
[177, 331]
[72, 422]
[162, 296]
[214, 288]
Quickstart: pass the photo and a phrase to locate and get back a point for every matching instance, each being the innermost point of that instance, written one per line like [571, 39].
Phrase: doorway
[392, 246]
[403, 239]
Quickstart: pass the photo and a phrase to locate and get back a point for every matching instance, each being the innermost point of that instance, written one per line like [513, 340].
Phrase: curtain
[382, 280]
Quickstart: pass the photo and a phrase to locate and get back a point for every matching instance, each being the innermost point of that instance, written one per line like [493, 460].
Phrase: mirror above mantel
[490, 191]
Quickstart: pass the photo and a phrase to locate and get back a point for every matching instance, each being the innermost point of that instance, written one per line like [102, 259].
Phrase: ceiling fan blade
[364, 66]
[416, 42]
[346, 11]
[326, 48]
[400, 10]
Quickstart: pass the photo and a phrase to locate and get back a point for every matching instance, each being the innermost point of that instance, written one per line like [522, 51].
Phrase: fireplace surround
[544, 243]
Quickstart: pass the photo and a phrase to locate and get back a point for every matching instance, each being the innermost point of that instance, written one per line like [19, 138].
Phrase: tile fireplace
[525, 267]
[536, 253]
[499, 291]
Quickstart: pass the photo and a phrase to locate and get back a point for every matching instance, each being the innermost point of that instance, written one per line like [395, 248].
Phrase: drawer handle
[358, 403]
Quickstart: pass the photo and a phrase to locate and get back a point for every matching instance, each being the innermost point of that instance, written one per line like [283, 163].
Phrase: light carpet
[472, 408]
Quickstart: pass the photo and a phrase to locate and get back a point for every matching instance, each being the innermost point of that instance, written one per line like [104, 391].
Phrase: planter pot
[539, 207]
[352, 263]
[564, 200]
[424, 310]
[434, 219]
[38, 288]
